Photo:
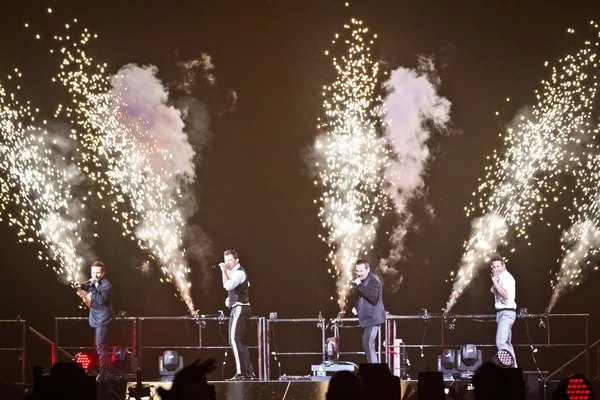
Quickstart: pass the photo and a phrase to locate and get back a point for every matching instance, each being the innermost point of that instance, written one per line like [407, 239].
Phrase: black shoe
[237, 377]
[251, 377]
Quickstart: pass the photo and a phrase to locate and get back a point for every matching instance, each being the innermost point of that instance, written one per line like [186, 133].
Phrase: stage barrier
[387, 350]
[22, 326]
[200, 321]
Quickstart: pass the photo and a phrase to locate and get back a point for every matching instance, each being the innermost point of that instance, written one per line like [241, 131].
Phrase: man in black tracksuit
[235, 281]
[102, 317]
[369, 307]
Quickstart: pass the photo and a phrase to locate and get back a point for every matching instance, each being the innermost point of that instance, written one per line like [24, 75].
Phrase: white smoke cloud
[152, 122]
[190, 70]
[412, 106]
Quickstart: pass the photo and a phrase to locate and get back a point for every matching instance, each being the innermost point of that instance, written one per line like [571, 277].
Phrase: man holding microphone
[369, 307]
[235, 281]
[504, 291]
[102, 317]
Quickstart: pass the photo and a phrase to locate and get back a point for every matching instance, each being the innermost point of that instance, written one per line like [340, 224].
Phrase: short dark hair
[99, 264]
[231, 252]
[362, 261]
[497, 258]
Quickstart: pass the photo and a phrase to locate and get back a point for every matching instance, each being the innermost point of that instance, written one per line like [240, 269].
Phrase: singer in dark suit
[369, 307]
[102, 317]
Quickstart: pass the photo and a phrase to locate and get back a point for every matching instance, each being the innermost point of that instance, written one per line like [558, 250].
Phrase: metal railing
[200, 321]
[53, 346]
[391, 332]
[264, 327]
[321, 323]
[340, 322]
[585, 352]
[21, 349]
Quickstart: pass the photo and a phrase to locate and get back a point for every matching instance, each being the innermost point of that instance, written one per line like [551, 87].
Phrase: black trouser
[102, 335]
[369, 334]
[238, 320]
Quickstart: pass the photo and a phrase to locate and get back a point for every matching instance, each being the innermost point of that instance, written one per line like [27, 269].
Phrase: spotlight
[331, 350]
[169, 364]
[504, 359]
[86, 360]
[122, 361]
[469, 359]
[448, 359]
[574, 387]
[446, 363]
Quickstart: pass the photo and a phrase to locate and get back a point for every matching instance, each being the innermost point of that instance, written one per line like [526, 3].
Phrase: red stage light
[578, 389]
[83, 359]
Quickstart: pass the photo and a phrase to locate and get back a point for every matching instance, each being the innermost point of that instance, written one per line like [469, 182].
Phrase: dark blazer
[101, 312]
[369, 302]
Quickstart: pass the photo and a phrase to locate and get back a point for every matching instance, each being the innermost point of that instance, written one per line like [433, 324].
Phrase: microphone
[216, 266]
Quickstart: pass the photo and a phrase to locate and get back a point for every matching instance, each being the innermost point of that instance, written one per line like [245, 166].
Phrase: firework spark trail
[411, 102]
[582, 240]
[352, 156]
[520, 185]
[37, 182]
[135, 147]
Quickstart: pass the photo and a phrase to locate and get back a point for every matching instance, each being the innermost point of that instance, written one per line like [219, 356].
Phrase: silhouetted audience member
[491, 383]
[430, 386]
[578, 385]
[66, 381]
[190, 383]
[344, 385]
[378, 382]
[516, 381]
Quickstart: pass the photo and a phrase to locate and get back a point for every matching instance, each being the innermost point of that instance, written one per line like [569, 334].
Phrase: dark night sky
[254, 191]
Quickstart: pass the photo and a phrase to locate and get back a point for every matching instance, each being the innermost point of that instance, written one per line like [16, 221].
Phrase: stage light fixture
[469, 359]
[122, 361]
[331, 350]
[86, 360]
[448, 358]
[574, 387]
[504, 359]
[169, 364]
[447, 362]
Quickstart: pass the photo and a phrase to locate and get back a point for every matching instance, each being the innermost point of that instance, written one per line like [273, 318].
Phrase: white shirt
[236, 277]
[506, 282]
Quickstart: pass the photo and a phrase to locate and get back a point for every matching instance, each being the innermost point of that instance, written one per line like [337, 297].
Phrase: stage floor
[263, 390]
[271, 390]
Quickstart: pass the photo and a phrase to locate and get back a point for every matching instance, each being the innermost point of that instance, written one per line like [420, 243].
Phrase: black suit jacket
[369, 302]
[101, 312]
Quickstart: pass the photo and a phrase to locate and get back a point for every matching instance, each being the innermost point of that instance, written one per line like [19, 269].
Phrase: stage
[199, 337]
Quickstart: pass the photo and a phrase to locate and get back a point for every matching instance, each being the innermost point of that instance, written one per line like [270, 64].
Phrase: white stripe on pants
[235, 316]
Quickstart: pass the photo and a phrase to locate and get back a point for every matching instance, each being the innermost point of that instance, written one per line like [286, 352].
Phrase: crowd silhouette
[372, 381]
